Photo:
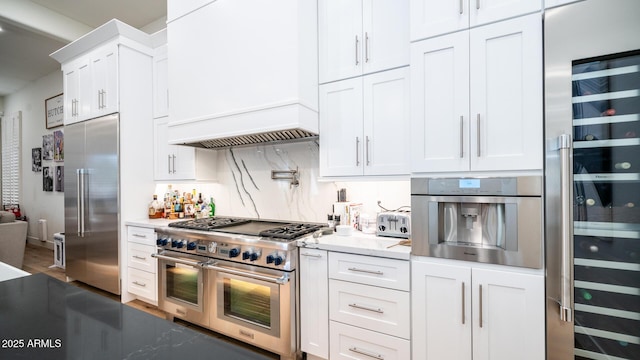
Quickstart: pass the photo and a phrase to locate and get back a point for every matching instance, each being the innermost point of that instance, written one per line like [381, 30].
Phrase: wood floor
[38, 259]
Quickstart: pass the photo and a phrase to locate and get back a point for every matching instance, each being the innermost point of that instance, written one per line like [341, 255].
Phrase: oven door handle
[280, 280]
[176, 260]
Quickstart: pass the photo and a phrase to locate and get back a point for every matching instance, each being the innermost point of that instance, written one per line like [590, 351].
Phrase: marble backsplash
[245, 188]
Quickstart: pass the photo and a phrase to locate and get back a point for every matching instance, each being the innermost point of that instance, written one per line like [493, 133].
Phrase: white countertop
[151, 223]
[8, 272]
[360, 243]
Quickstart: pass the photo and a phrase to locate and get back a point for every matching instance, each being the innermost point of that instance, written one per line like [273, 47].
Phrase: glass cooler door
[606, 195]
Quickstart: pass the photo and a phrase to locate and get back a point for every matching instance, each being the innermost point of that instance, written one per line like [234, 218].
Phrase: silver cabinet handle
[139, 236]
[566, 311]
[366, 47]
[477, 4]
[480, 305]
[169, 164]
[357, 151]
[311, 255]
[376, 272]
[366, 353]
[379, 311]
[463, 302]
[478, 133]
[461, 7]
[174, 162]
[357, 43]
[139, 257]
[367, 150]
[140, 284]
[461, 136]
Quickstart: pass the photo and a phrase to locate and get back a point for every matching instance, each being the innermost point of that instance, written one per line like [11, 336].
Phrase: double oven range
[235, 276]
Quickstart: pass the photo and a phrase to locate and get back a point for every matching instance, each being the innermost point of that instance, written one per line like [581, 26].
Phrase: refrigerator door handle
[79, 199]
[564, 146]
[82, 202]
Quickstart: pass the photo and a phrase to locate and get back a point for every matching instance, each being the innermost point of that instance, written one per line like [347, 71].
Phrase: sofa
[13, 239]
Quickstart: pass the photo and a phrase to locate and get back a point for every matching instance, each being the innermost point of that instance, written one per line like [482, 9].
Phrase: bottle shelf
[606, 229]
[600, 120]
[606, 177]
[606, 143]
[606, 73]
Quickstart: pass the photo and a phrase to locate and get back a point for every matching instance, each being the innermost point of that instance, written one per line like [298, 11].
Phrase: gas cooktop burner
[208, 224]
[273, 230]
[290, 231]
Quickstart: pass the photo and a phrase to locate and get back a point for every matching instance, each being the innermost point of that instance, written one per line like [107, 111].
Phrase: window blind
[11, 149]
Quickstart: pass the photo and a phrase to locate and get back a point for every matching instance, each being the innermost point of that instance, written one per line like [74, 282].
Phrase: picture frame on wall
[47, 147]
[58, 145]
[36, 159]
[54, 111]
[47, 179]
[60, 178]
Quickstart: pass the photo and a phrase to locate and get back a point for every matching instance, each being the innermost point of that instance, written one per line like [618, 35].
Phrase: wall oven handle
[280, 280]
[176, 260]
[564, 145]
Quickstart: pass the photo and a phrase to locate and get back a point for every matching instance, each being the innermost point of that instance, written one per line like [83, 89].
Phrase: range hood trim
[286, 122]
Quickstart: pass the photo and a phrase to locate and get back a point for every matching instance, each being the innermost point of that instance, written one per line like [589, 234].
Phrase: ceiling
[33, 29]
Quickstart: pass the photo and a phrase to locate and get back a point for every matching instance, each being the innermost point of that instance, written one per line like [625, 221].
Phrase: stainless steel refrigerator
[592, 179]
[91, 202]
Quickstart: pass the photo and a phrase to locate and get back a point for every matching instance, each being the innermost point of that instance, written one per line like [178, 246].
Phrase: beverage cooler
[592, 124]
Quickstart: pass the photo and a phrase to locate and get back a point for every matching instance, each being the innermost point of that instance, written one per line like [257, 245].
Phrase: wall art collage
[52, 149]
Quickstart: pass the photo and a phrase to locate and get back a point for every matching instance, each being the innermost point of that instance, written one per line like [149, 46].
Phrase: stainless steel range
[235, 276]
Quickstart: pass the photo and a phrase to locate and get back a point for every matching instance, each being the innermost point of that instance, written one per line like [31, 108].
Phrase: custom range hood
[239, 77]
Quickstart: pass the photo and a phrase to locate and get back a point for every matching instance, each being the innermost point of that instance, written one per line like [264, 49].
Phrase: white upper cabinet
[91, 84]
[359, 37]
[435, 17]
[364, 124]
[160, 82]
[477, 99]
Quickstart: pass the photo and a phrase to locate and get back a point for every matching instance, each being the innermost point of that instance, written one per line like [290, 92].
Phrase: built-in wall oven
[235, 276]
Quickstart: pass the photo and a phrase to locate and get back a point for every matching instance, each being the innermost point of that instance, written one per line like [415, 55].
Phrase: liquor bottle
[155, 208]
[212, 208]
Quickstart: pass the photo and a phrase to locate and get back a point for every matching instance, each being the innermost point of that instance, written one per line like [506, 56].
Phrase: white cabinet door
[386, 122]
[506, 95]
[104, 70]
[487, 11]
[434, 17]
[340, 39]
[160, 82]
[508, 315]
[162, 151]
[341, 141]
[361, 36]
[441, 311]
[385, 33]
[440, 103]
[71, 93]
[314, 302]
[85, 90]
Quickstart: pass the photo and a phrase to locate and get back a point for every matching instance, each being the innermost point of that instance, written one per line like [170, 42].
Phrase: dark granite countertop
[45, 318]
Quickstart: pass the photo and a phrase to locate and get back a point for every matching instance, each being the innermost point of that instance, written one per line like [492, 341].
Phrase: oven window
[247, 301]
[182, 283]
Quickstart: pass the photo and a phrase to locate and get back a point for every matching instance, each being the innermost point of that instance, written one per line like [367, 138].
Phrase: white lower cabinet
[351, 342]
[314, 303]
[464, 312]
[142, 269]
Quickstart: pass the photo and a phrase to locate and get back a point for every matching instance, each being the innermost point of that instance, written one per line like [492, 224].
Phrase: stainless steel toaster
[394, 224]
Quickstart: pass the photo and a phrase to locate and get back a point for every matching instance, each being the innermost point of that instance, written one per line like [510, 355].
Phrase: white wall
[35, 203]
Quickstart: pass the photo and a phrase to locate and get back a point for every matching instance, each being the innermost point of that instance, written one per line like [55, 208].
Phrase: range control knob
[180, 244]
[254, 256]
[234, 252]
[246, 255]
[278, 260]
[191, 245]
[270, 259]
[161, 241]
[404, 229]
[382, 228]
[174, 243]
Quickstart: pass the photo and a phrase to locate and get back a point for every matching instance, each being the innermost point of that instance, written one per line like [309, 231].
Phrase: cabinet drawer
[373, 308]
[141, 235]
[143, 284]
[350, 342]
[139, 257]
[370, 270]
